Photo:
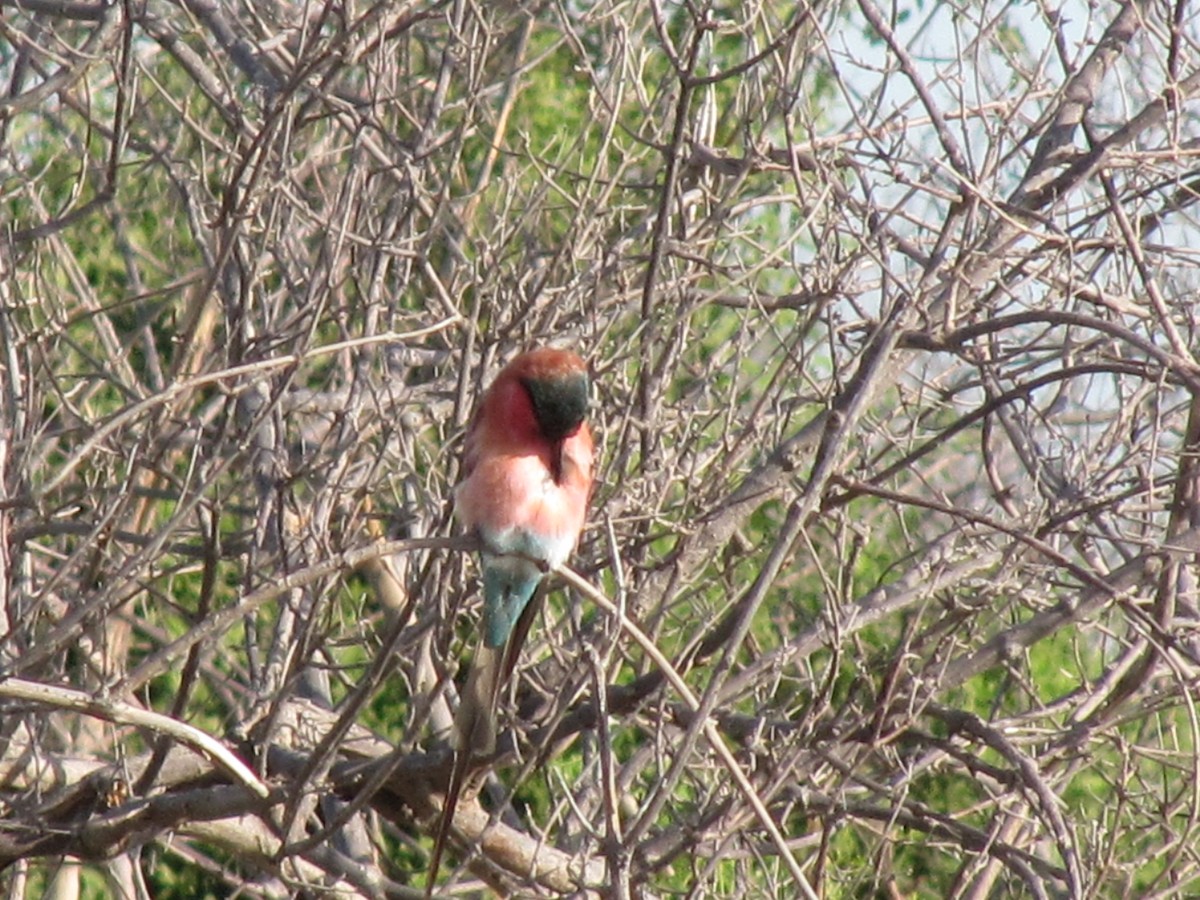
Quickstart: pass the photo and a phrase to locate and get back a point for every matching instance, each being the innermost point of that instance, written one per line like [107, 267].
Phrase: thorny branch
[890, 311]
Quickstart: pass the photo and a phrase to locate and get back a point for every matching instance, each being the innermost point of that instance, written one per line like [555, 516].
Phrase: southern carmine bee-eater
[526, 480]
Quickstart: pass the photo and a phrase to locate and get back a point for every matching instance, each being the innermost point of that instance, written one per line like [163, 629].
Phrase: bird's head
[557, 384]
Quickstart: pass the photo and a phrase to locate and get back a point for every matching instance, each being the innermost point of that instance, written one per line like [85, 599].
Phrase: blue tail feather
[508, 585]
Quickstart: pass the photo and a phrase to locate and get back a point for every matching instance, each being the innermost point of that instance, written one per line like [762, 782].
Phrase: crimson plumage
[527, 478]
[527, 475]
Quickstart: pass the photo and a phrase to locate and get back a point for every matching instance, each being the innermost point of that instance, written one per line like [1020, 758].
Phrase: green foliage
[184, 882]
[43, 880]
[488, 176]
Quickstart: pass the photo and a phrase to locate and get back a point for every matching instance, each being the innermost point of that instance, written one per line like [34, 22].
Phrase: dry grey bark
[891, 314]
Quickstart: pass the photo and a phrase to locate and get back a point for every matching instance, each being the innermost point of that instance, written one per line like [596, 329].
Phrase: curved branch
[60, 697]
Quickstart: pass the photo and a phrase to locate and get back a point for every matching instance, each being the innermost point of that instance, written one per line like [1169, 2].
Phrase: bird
[526, 483]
